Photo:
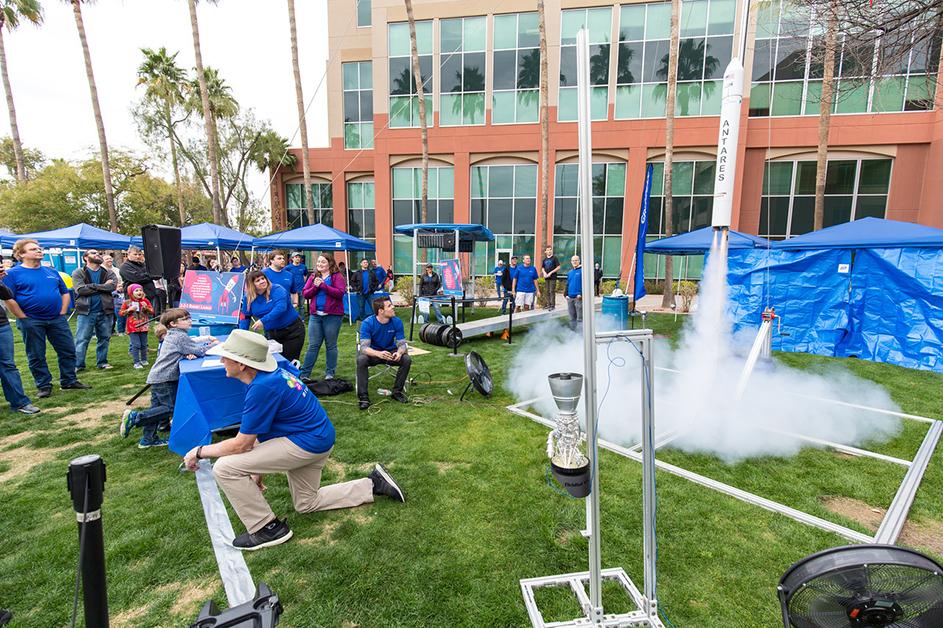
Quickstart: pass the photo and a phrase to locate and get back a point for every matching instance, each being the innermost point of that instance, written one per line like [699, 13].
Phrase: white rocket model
[726, 169]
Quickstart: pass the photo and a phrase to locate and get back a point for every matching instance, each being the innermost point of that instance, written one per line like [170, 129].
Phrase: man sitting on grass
[382, 341]
[284, 429]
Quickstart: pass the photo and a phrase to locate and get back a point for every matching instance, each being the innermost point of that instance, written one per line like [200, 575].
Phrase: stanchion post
[510, 321]
[412, 319]
[454, 334]
[86, 483]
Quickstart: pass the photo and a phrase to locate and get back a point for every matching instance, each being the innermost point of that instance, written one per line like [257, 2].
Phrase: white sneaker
[138, 365]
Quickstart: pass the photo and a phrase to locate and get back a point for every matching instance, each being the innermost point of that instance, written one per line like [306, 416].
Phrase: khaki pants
[303, 468]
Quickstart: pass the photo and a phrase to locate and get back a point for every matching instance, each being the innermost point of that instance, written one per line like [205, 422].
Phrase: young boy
[164, 376]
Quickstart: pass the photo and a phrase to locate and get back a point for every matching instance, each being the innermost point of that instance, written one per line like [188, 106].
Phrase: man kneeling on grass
[284, 430]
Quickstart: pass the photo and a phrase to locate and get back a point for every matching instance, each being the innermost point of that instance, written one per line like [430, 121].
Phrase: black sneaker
[44, 392]
[384, 484]
[76, 385]
[364, 404]
[274, 533]
[400, 397]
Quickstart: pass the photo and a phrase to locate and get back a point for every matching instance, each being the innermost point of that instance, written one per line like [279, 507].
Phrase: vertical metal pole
[648, 480]
[595, 612]
[86, 483]
[415, 261]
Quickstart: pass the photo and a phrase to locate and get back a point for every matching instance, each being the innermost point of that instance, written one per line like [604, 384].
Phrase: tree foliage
[32, 157]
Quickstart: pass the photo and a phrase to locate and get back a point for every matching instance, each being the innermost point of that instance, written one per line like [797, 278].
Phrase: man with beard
[134, 271]
[93, 285]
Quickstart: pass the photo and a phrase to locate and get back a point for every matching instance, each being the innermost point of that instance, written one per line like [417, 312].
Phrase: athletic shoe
[274, 533]
[138, 365]
[105, 366]
[364, 404]
[384, 484]
[143, 362]
[400, 397]
[76, 385]
[79, 369]
[44, 392]
[328, 376]
[146, 443]
[29, 409]
[128, 420]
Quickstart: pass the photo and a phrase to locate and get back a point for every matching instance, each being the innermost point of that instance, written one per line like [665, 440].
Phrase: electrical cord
[78, 566]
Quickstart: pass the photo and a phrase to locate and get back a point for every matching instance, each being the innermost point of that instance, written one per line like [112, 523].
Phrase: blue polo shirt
[38, 291]
[574, 282]
[279, 404]
[284, 278]
[526, 279]
[383, 336]
[275, 313]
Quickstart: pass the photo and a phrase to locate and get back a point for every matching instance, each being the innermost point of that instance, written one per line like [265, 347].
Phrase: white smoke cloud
[698, 405]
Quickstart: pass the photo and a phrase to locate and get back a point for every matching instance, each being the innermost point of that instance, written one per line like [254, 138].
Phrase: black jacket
[429, 286]
[135, 272]
[506, 282]
[356, 281]
[84, 288]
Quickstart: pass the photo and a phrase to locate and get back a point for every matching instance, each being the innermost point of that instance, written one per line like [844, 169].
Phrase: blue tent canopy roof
[206, 235]
[867, 233]
[313, 238]
[80, 236]
[699, 242]
[481, 233]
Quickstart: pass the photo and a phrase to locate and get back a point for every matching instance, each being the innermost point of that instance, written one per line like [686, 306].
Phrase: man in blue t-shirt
[299, 272]
[93, 285]
[525, 286]
[44, 300]
[279, 275]
[574, 292]
[237, 266]
[498, 273]
[380, 272]
[284, 430]
[382, 341]
[364, 283]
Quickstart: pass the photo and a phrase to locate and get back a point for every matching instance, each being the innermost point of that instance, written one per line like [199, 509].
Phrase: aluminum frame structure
[591, 604]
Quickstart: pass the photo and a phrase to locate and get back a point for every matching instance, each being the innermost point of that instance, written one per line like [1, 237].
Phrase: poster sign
[452, 278]
[213, 297]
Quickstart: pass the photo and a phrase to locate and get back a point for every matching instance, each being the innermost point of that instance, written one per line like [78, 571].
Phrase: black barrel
[440, 335]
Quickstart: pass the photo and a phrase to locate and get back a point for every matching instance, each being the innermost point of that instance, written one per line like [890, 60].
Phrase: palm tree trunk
[176, 165]
[99, 123]
[825, 116]
[668, 299]
[544, 134]
[302, 124]
[207, 116]
[423, 130]
[14, 129]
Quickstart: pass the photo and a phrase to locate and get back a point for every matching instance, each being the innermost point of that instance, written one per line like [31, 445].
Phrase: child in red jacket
[138, 311]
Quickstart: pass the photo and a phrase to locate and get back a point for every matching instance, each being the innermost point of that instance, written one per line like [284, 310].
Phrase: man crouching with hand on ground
[284, 430]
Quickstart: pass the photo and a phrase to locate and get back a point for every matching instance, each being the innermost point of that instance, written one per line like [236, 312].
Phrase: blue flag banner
[642, 231]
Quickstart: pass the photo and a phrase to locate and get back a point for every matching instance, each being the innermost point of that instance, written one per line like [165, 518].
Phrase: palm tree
[424, 132]
[99, 123]
[544, 131]
[825, 116]
[299, 100]
[208, 121]
[692, 65]
[164, 80]
[11, 11]
[222, 105]
[668, 299]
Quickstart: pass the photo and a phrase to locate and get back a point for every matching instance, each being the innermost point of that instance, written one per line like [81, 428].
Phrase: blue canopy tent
[316, 238]
[698, 242]
[7, 238]
[871, 288]
[80, 236]
[463, 232]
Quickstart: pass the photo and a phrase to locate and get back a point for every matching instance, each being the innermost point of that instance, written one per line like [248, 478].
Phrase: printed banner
[451, 278]
[213, 297]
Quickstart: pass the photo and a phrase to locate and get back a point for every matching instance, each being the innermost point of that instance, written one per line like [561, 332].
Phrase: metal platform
[500, 323]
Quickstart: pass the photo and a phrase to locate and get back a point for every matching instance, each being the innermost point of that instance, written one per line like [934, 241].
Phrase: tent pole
[350, 301]
[415, 261]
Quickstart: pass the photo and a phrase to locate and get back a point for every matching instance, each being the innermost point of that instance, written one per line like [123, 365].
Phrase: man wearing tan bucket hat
[284, 430]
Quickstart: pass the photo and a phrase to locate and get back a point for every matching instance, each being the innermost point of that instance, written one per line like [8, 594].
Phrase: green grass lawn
[480, 514]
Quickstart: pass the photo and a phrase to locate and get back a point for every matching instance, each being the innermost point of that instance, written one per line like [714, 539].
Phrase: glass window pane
[840, 177]
[767, 20]
[777, 178]
[363, 12]
[805, 177]
[875, 176]
[446, 182]
[837, 210]
[528, 68]
[693, 17]
[718, 54]
[629, 69]
[473, 72]
[528, 31]
[450, 113]
[399, 112]
[655, 64]
[600, 25]
[701, 211]
[479, 182]
[366, 74]
[632, 22]
[403, 183]
[446, 211]
[368, 195]
[615, 180]
[564, 215]
[889, 94]
[567, 180]
[599, 103]
[688, 100]
[351, 106]
[477, 212]
[852, 97]
[474, 33]
[599, 64]
[525, 181]
[654, 215]
[653, 100]
[759, 99]
[599, 214]
[681, 214]
[369, 222]
[528, 105]
[505, 31]
[691, 59]
[658, 178]
[351, 76]
[870, 206]
[450, 75]
[566, 108]
[598, 179]
[473, 109]
[294, 196]
[803, 211]
[774, 212]
[366, 134]
[704, 177]
[682, 180]
[399, 39]
[787, 99]
[450, 36]
[614, 211]
[401, 81]
[790, 58]
[525, 215]
[568, 66]
[403, 212]
[658, 21]
[354, 195]
[505, 73]
[720, 21]
[502, 107]
[499, 215]
[423, 37]
[500, 181]
[763, 60]
[573, 20]
[919, 93]
[628, 99]
[711, 94]
[351, 135]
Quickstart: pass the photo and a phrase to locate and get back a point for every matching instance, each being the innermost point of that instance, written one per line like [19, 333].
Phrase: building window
[705, 50]
[358, 104]
[360, 210]
[599, 23]
[504, 199]
[608, 210]
[407, 207]
[296, 205]
[404, 101]
[462, 71]
[853, 189]
[788, 82]
[363, 12]
[692, 202]
[515, 95]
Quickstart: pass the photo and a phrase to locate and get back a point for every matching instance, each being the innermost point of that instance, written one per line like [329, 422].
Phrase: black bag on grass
[329, 387]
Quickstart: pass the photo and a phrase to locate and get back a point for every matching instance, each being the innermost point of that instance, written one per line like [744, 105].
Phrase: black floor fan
[863, 586]
[479, 375]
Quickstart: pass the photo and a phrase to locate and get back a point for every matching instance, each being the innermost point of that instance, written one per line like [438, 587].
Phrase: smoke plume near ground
[698, 403]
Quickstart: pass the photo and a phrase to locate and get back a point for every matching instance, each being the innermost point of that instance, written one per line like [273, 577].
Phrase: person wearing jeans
[9, 374]
[574, 293]
[324, 290]
[43, 301]
[364, 283]
[93, 285]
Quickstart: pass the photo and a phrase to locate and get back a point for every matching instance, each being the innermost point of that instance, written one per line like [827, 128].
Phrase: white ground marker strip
[232, 564]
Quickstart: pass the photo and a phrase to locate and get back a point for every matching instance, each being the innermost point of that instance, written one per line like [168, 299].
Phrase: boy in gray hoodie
[164, 376]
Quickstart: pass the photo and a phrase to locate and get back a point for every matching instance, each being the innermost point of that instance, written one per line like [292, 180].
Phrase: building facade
[479, 64]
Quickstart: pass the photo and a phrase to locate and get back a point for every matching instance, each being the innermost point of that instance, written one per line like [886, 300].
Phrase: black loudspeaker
[161, 250]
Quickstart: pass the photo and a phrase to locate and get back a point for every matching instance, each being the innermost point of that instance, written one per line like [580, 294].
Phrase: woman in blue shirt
[268, 303]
